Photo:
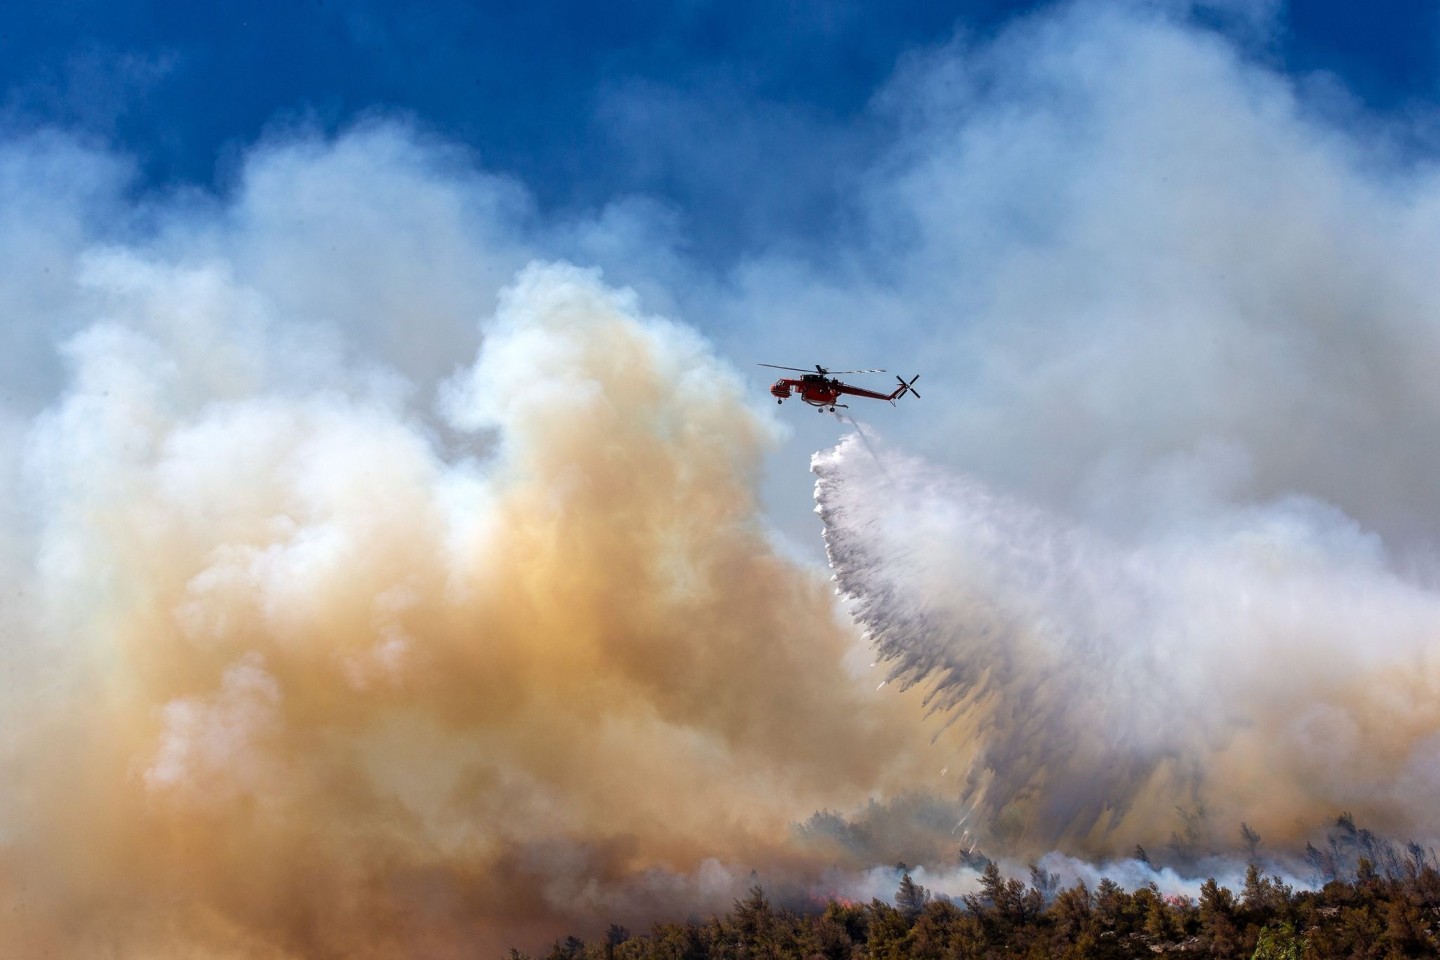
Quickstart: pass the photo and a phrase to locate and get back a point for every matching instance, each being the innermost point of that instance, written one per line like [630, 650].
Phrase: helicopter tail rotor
[905, 388]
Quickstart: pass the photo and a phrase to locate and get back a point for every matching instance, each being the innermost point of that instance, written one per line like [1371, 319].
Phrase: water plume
[1266, 664]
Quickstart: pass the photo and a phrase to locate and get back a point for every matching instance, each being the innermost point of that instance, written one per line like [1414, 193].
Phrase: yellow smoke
[325, 679]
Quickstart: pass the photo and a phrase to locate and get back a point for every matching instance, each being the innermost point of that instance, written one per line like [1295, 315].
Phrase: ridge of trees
[1380, 913]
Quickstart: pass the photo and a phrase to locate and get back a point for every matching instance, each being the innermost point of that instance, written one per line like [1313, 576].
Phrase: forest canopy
[1376, 913]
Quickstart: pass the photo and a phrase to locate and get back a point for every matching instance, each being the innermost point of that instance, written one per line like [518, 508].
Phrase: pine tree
[1252, 840]
[1279, 942]
[1217, 919]
[911, 898]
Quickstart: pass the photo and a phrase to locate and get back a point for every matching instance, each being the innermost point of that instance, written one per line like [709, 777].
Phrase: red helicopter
[821, 390]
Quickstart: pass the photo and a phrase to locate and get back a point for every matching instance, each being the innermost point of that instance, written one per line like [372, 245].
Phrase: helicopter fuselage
[819, 391]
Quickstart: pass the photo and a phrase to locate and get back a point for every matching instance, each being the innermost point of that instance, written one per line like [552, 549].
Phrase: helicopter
[821, 390]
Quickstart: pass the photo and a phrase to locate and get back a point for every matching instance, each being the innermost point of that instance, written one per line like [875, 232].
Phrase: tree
[614, 936]
[1321, 862]
[1112, 903]
[1043, 882]
[1151, 913]
[1072, 911]
[911, 898]
[833, 934]
[1264, 897]
[1405, 929]
[571, 948]
[1251, 838]
[887, 929]
[934, 935]
[753, 925]
[1217, 919]
[1279, 942]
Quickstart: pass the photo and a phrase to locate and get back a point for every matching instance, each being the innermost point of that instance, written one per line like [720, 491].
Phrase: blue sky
[583, 102]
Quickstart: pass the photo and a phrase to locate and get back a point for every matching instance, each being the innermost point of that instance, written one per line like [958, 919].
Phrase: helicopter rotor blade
[822, 371]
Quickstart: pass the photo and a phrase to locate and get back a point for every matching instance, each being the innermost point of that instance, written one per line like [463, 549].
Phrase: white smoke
[1140, 271]
[957, 882]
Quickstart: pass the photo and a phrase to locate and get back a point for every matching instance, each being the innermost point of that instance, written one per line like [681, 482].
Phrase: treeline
[1374, 914]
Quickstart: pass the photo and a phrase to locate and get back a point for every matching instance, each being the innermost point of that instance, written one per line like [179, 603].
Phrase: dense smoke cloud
[294, 667]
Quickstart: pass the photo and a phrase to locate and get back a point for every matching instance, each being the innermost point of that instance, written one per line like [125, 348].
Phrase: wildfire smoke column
[325, 678]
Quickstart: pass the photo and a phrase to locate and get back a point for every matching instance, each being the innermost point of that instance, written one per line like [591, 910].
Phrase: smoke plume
[298, 674]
